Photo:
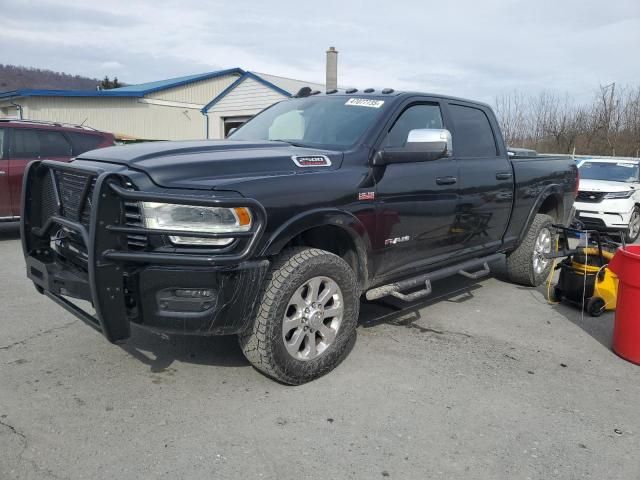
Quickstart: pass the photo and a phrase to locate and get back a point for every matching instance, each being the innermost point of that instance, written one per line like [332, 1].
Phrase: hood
[588, 185]
[210, 163]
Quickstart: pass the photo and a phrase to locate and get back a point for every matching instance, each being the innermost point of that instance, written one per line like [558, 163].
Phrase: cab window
[473, 136]
[414, 117]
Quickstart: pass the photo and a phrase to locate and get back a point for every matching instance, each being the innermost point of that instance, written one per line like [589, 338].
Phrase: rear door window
[28, 143]
[83, 142]
[473, 135]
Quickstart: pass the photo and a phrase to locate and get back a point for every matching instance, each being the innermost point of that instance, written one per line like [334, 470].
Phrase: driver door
[416, 201]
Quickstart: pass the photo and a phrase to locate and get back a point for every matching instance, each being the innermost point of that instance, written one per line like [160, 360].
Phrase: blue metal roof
[30, 92]
[142, 89]
[129, 91]
[150, 87]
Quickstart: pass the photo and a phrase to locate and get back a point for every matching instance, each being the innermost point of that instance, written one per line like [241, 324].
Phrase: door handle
[446, 180]
[504, 175]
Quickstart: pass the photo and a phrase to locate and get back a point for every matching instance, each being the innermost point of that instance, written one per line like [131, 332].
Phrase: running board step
[396, 289]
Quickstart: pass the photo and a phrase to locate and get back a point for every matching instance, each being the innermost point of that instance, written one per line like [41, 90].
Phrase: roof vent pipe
[332, 69]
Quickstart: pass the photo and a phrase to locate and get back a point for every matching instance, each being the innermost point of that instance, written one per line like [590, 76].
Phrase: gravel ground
[485, 381]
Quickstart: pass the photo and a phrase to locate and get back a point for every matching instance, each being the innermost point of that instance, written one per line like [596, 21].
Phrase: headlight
[626, 194]
[191, 218]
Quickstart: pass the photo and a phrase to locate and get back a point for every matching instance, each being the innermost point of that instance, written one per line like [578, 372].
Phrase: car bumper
[612, 215]
[170, 299]
[79, 246]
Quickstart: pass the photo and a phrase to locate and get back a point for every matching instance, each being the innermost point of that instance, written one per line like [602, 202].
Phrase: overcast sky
[470, 48]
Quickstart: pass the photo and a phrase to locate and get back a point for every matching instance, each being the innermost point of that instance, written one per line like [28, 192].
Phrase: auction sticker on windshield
[365, 102]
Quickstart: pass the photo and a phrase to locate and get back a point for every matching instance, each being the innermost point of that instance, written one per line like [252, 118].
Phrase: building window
[231, 123]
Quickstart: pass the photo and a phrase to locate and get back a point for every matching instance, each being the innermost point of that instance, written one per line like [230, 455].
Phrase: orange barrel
[626, 331]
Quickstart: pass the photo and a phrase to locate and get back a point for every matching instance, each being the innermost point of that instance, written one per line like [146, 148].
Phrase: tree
[552, 123]
[107, 83]
[511, 113]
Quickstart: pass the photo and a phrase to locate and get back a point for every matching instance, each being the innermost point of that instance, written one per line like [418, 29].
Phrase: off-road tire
[262, 343]
[520, 261]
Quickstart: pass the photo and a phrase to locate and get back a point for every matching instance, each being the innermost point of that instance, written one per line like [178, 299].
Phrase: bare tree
[512, 114]
[549, 122]
[610, 111]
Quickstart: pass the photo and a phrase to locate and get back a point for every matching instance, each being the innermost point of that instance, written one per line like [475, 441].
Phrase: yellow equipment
[585, 279]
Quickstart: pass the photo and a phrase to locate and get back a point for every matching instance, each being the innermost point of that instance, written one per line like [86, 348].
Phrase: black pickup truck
[275, 233]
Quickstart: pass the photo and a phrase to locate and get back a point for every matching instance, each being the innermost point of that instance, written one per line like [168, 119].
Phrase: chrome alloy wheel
[312, 318]
[540, 249]
[634, 224]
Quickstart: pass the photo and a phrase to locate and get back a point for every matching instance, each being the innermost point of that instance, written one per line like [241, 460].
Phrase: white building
[199, 106]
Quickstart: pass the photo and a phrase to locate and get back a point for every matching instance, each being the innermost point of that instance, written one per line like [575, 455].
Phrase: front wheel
[634, 226]
[528, 264]
[307, 318]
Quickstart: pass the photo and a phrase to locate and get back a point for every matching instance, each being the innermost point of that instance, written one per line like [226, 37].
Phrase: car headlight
[626, 194]
[192, 218]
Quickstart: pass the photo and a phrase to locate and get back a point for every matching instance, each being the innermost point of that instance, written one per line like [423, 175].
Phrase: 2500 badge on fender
[275, 233]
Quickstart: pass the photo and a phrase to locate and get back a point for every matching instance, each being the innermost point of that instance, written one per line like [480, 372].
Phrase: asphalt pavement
[484, 381]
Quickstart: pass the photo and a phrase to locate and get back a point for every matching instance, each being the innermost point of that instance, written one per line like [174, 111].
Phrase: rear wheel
[528, 264]
[307, 320]
[634, 226]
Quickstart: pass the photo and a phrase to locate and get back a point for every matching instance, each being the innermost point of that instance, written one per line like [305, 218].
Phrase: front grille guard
[106, 236]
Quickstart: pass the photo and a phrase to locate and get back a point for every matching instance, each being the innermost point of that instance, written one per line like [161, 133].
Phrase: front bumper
[608, 215]
[83, 247]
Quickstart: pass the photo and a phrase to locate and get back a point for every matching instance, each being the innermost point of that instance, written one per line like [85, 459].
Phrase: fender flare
[554, 190]
[346, 221]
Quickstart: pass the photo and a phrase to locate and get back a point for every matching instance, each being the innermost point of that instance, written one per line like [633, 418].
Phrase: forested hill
[13, 77]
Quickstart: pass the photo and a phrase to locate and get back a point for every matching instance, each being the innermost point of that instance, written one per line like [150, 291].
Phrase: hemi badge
[311, 161]
[367, 196]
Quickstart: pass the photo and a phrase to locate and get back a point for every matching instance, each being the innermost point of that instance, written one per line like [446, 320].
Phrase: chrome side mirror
[422, 145]
[431, 140]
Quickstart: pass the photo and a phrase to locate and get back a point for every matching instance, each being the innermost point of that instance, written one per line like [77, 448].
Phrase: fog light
[192, 293]
[186, 300]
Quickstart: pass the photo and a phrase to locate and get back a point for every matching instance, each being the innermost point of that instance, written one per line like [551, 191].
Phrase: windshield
[627, 172]
[323, 122]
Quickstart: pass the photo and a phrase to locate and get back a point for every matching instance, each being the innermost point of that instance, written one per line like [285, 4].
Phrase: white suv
[609, 196]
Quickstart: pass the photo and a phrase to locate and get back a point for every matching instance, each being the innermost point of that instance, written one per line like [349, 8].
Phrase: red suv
[22, 141]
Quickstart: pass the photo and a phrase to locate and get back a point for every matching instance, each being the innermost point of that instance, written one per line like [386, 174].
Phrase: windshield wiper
[292, 142]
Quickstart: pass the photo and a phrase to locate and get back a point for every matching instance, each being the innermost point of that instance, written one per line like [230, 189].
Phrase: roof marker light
[387, 90]
[369, 90]
[351, 90]
[303, 92]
